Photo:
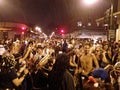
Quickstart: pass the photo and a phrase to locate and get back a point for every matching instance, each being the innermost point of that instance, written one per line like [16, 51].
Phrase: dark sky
[50, 13]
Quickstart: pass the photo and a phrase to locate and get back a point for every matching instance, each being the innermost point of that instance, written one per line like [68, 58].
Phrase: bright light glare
[38, 29]
[89, 2]
[23, 28]
[2, 1]
[62, 31]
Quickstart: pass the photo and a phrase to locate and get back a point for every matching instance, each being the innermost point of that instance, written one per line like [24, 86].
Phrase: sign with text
[111, 34]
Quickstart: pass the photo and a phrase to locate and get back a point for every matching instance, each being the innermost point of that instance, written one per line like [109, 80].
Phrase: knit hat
[100, 73]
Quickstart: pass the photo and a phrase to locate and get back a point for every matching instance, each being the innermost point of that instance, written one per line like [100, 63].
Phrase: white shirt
[2, 50]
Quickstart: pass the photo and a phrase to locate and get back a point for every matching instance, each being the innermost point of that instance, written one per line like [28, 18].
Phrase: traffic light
[62, 31]
[23, 30]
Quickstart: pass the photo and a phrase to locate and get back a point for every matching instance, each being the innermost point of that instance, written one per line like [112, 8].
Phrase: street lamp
[89, 5]
[38, 29]
[111, 31]
[90, 2]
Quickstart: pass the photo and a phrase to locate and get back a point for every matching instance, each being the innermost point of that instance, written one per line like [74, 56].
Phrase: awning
[5, 29]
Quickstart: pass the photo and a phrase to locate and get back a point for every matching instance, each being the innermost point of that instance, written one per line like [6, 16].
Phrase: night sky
[50, 14]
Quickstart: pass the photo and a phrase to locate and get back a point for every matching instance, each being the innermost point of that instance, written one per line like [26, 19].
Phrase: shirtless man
[88, 61]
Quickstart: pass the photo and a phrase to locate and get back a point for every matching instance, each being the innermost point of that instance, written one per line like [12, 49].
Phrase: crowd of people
[59, 64]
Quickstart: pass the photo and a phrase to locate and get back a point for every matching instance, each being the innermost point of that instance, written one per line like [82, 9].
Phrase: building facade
[11, 30]
[118, 21]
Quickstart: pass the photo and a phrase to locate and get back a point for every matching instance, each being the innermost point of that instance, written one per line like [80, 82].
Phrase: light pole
[111, 31]
[111, 14]
[109, 18]
[89, 2]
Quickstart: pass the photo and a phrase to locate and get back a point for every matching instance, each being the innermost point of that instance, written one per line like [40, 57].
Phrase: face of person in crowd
[105, 47]
[86, 49]
[98, 52]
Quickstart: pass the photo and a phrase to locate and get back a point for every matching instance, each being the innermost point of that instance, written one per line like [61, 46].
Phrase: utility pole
[109, 17]
[111, 31]
[111, 14]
